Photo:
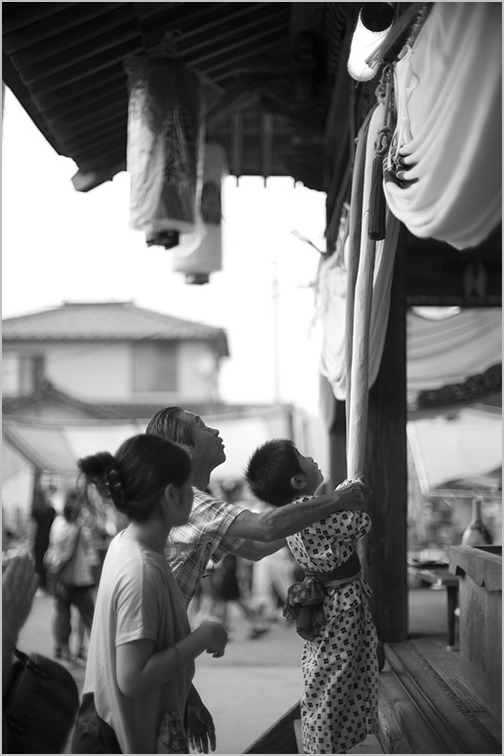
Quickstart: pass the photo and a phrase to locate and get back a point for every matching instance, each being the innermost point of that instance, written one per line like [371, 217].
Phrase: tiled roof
[107, 321]
[46, 393]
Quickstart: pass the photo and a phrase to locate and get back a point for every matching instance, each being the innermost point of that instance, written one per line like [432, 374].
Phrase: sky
[62, 245]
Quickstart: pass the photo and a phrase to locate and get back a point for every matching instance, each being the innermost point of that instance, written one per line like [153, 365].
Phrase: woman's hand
[200, 725]
[216, 637]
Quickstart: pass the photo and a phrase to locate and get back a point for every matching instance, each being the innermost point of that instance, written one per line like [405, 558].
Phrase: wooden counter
[480, 595]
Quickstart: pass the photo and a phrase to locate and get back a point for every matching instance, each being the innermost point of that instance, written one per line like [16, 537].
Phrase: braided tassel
[377, 203]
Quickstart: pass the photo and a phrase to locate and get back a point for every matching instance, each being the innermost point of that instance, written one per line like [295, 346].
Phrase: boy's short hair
[270, 469]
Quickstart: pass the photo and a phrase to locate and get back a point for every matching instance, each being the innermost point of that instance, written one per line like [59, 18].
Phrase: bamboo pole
[355, 232]
[370, 210]
[359, 376]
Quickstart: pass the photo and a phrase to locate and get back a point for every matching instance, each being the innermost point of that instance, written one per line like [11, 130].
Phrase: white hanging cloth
[333, 274]
[448, 89]
[442, 352]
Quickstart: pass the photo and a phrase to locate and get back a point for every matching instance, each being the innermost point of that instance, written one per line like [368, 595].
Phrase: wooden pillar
[386, 473]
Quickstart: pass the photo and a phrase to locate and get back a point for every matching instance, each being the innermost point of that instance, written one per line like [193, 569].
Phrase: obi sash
[304, 602]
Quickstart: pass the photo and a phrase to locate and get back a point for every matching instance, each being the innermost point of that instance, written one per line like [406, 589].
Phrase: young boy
[340, 670]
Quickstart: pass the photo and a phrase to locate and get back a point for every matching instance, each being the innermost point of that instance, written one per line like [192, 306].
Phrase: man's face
[207, 444]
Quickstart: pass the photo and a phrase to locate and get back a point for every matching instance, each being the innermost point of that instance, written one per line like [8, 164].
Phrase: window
[155, 367]
[22, 373]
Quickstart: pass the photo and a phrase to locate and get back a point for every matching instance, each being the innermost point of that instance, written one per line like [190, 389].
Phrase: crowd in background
[255, 589]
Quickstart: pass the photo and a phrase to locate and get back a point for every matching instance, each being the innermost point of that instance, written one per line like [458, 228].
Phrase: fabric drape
[441, 352]
[448, 89]
[336, 314]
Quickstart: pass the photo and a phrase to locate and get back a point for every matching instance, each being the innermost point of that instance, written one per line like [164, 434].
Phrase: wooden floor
[424, 705]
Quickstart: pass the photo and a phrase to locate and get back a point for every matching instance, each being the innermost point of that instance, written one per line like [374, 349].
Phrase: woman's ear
[298, 482]
[170, 493]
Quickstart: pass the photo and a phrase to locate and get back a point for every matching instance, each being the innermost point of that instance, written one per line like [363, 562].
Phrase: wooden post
[386, 473]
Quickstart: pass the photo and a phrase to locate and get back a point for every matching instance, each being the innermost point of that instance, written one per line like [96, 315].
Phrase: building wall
[198, 371]
[96, 371]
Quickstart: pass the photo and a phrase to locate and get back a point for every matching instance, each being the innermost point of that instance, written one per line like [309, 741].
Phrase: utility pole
[276, 332]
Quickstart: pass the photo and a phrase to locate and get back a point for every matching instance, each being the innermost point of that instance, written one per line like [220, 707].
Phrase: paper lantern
[374, 23]
[164, 149]
[197, 259]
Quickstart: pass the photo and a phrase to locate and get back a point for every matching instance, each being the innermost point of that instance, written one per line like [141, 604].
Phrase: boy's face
[311, 472]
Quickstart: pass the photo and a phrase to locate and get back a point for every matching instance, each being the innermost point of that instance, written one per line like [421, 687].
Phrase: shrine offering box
[480, 590]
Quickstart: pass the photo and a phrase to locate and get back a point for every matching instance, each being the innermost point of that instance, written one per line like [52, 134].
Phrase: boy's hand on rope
[355, 493]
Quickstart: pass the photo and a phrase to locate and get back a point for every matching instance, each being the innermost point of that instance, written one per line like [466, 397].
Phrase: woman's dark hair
[270, 470]
[135, 477]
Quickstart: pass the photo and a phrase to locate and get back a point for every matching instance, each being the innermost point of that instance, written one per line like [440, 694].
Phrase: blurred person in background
[230, 586]
[70, 558]
[271, 579]
[231, 578]
[43, 514]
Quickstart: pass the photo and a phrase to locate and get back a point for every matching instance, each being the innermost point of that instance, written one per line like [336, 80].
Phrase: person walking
[339, 706]
[141, 651]
[43, 514]
[69, 560]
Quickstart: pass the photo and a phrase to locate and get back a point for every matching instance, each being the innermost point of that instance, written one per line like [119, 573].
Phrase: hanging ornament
[373, 25]
[164, 149]
[198, 257]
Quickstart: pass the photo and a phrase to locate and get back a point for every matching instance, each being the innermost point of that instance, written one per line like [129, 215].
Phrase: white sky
[61, 245]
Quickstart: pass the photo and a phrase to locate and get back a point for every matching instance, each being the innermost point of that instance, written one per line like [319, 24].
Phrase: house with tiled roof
[112, 352]
[84, 376]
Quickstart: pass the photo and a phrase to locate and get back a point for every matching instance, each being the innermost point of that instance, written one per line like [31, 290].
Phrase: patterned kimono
[339, 707]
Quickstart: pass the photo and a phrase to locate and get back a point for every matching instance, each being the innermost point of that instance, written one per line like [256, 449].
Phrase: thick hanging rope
[360, 286]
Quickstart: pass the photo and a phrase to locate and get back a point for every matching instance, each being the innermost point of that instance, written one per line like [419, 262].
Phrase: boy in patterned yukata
[216, 528]
[339, 706]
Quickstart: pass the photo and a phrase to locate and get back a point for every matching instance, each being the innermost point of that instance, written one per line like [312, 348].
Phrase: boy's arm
[283, 521]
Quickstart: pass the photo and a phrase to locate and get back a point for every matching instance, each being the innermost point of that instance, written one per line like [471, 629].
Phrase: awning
[442, 449]
[58, 447]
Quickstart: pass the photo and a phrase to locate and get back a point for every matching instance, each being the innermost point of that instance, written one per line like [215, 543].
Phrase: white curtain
[448, 90]
[332, 286]
[440, 352]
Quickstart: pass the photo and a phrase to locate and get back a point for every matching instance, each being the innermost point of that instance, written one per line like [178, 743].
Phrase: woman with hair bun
[141, 651]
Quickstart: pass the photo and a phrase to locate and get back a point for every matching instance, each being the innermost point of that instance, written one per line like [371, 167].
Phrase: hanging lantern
[374, 23]
[198, 259]
[164, 150]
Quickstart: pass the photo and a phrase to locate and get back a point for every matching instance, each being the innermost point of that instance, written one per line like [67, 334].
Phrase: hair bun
[114, 487]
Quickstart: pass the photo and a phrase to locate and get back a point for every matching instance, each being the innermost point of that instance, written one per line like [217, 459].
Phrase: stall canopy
[57, 447]
[467, 446]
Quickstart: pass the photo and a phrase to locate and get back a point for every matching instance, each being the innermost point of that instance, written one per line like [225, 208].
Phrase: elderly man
[216, 528]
